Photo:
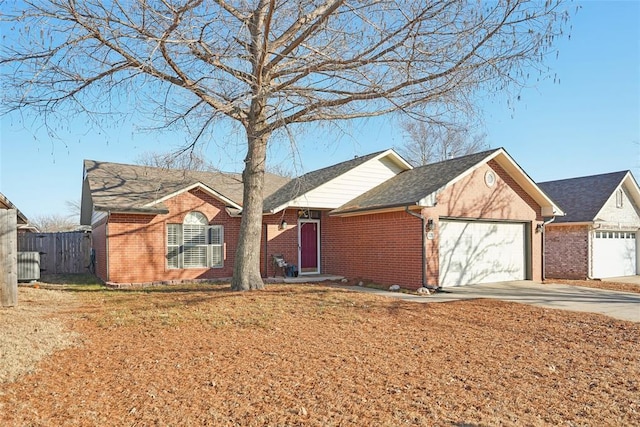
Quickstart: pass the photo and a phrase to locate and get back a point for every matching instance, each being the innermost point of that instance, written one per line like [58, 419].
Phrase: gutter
[424, 250]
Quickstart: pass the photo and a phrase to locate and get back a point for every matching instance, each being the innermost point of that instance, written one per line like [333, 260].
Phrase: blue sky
[586, 124]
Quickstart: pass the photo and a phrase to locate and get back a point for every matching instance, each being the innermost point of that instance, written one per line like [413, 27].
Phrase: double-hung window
[195, 243]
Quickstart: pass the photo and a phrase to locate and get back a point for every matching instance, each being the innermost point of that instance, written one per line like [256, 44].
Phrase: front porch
[307, 278]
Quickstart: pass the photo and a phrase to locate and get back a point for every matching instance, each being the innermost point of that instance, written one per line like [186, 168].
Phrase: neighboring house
[22, 221]
[598, 237]
[467, 220]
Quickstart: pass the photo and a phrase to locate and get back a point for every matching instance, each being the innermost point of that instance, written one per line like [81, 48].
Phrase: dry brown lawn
[309, 355]
[599, 284]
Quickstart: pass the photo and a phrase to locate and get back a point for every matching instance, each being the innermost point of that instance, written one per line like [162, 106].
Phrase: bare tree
[267, 65]
[429, 142]
[73, 207]
[181, 159]
[53, 223]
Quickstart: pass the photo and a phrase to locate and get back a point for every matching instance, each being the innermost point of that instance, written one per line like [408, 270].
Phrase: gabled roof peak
[314, 179]
[421, 185]
[583, 197]
[599, 176]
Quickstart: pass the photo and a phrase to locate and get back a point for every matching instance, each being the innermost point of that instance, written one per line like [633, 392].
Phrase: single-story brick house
[598, 237]
[467, 220]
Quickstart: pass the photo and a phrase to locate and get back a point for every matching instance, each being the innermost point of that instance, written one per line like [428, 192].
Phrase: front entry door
[309, 246]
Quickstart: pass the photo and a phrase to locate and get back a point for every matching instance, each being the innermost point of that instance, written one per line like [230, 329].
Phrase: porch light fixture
[431, 225]
[539, 228]
[283, 225]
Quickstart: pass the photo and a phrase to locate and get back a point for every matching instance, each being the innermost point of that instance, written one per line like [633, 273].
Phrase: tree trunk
[246, 269]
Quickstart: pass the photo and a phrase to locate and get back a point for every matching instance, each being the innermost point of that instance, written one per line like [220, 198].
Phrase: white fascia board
[631, 185]
[430, 200]
[98, 216]
[279, 208]
[396, 157]
[203, 187]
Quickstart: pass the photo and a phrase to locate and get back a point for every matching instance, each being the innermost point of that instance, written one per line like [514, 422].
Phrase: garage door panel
[614, 254]
[481, 252]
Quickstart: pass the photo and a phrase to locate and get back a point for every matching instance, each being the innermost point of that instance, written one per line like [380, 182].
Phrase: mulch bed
[309, 355]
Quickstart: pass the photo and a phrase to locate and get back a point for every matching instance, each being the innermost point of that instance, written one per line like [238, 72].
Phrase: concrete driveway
[619, 305]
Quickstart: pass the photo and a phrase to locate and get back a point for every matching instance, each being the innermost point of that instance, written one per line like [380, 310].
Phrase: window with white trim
[195, 243]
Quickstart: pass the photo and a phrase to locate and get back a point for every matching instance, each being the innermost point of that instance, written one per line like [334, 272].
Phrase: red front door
[309, 247]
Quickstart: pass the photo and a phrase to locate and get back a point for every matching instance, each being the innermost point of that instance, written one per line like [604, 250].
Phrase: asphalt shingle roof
[133, 187]
[312, 180]
[409, 187]
[582, 198]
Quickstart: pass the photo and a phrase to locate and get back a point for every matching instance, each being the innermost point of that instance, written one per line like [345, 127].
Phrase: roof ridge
[586, 176]
[162, 168]
[356, 158]
[466, 156]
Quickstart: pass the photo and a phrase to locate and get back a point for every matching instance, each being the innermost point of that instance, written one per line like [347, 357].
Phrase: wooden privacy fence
[60, 253]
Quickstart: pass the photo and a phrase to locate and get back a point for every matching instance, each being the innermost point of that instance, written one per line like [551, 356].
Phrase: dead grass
[599, 284]
[33, 330]
[317, 356]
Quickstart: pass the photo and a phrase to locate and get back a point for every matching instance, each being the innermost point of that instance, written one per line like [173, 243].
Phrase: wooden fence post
[8, 257]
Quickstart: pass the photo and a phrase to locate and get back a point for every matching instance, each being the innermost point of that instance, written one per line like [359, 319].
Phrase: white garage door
[614, 254]
[481, 252]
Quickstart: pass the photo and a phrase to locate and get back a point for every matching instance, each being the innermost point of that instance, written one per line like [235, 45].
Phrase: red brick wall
[382, 248]
[566, 251]
[385, 248]
[279, 241]
[137, 243]
[99, 243]
[472, 198]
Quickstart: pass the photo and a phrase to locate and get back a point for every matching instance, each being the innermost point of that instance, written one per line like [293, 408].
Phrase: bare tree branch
[266, 65]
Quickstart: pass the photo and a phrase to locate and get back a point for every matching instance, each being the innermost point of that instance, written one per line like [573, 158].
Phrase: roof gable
[420, 186]
[584, 197]
[135, 188]
[331, 186]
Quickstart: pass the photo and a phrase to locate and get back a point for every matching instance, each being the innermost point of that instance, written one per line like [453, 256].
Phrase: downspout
[544, 267]
[424, 250]
[106, 247]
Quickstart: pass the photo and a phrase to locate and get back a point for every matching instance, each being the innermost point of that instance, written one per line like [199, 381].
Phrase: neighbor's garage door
[614, 254]
[481, 252]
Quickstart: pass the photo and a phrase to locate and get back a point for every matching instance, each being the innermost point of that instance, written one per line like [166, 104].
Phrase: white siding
[625, 217]
[348, 186]
[97, 217]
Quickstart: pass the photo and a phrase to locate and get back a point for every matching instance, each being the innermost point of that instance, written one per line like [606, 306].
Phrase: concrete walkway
[619, 305]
